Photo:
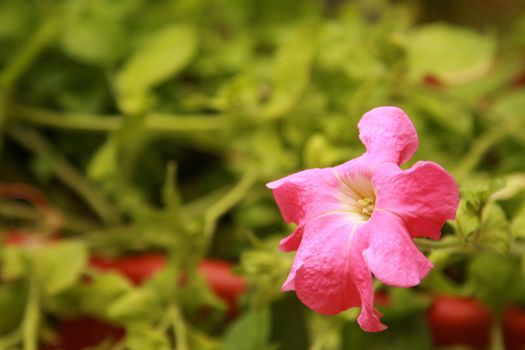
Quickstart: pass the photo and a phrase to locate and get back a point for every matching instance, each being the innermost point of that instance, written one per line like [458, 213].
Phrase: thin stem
[31, 140]
[176, 123]
[71, 121]
[179, 327]
[25, 212]
[22, 60]
[157, 122]
[219, 208]
[20, 211]
[427, 244]
[496, 336]
[31, 316]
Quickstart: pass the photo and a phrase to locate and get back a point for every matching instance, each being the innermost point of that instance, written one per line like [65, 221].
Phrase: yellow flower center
[357, 196]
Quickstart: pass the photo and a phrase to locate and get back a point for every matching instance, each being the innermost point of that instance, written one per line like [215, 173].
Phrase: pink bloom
[358, 219]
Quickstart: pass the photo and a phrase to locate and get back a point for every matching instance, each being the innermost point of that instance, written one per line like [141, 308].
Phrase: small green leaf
[290, 73]
[12, 303]
[93, 41]
[509, 111]
[14, 263]
[318, 152]
[249, 332]
[142, 337]
[101, 292]
[451, 116]
[135, 306]
[495, 231]
[473, 201]
[163, 54]
[59, 265]
[496, 279]
[454, 55]
[517, 226]
[103, 163]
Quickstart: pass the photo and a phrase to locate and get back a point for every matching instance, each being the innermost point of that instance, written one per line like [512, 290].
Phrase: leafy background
[152, 126]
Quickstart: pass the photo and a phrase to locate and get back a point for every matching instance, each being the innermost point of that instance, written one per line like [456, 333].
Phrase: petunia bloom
[358, 219]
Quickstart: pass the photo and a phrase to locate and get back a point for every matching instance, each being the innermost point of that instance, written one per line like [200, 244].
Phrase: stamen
[367, 206]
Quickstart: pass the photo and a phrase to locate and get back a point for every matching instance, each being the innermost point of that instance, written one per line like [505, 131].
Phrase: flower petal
[324, 281]
[392, 255]
[425, 196]
[289, 284]
[368, 317]
[292, 241]
[388, 134]
[305, 194]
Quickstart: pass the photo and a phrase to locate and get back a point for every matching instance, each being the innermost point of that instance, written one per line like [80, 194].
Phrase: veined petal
[391, 255]
[388, 135]
[425, 196]
[306, 194]
[369, 317]
[324, 281]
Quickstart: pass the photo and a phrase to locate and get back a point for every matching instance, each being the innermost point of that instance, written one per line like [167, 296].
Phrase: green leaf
[197, 294]
[318, 152]
[142, 337]
[103, 164]
[59, 265]
[495, 231]
[517, 227]
[12, 303]
[202, 341]
[163, 54]
[135, 306]
[93, 41]
[496, 279]
[449, 115]
[345, 47]
[509, 111]
[454, 55]
[101, 292]
[251, 331]
[14, 263]
[473, 200]
[290, 73]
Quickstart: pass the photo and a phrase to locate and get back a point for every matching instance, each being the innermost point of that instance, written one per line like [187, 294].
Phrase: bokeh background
[136, 138]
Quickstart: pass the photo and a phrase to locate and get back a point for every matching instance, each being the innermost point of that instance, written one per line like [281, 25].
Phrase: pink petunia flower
[358, 219]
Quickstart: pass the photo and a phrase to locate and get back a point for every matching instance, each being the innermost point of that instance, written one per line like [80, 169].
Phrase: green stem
[31, 140]
[21, 61]
[219, 208]
[70, 121]
[179, 327]
[31, 317]
[175, 123]
[496, 336]
[426, 244]
[157, 122]
[25, 212]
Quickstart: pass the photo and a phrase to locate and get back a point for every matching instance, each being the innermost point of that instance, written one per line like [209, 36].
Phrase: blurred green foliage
[154, 125]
